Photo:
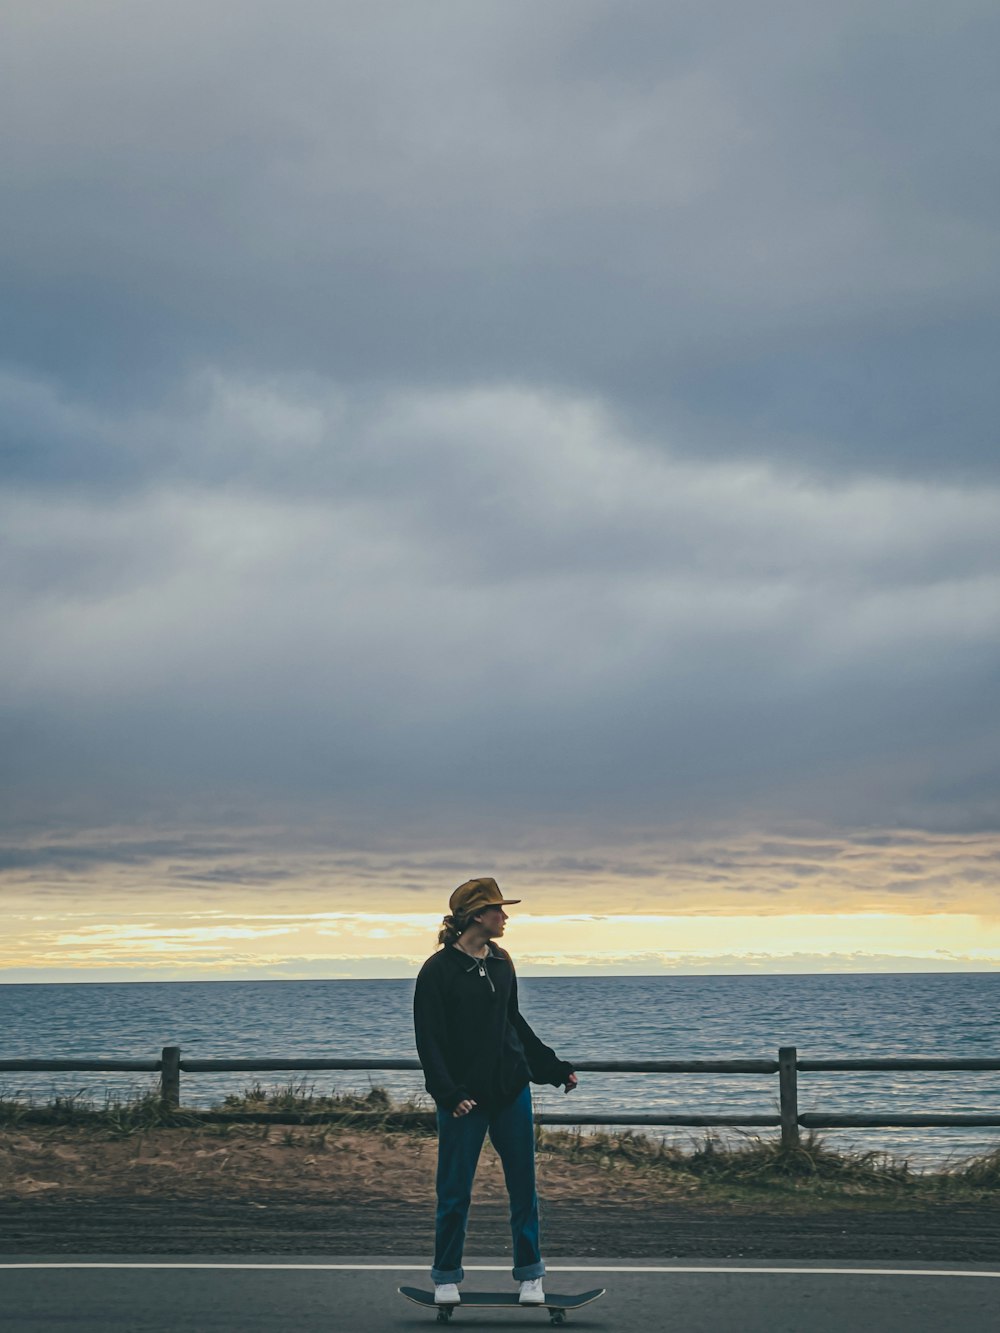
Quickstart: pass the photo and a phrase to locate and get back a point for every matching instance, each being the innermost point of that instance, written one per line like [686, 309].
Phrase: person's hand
[463, 1108]
[571, 1083]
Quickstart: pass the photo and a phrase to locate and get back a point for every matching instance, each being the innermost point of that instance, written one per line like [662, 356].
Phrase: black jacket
[471, 1038]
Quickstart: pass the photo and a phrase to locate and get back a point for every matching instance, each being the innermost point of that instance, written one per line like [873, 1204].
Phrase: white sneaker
[446, 1293]
[531, 1292]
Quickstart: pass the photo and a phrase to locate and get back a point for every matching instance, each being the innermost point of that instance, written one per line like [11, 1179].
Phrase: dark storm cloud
[558, 619]
[763, 230]
[502, 409]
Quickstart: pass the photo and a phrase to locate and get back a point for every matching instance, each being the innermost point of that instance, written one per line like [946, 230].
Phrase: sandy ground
[293, 1162]
[292, 1191]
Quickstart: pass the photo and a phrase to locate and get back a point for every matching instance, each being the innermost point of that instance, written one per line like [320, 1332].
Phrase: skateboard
[556, 1305]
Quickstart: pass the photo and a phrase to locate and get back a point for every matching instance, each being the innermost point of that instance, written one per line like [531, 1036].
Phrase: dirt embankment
[250, 1162]
[74, 1190]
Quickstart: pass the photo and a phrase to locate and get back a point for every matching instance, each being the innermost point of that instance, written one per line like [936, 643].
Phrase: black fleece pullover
[471, 1038]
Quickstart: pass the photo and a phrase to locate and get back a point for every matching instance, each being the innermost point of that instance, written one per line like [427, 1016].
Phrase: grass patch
[756, 1165]
[119, 1113]
[982, 1173]
[294, 1103]
[297, 1102]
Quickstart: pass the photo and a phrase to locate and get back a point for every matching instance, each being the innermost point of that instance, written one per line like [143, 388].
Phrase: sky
[550, 441]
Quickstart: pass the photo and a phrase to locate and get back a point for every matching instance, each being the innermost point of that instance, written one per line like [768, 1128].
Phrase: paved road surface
[327, 1294]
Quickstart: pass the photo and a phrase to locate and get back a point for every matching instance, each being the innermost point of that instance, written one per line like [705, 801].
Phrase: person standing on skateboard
[479, 1056]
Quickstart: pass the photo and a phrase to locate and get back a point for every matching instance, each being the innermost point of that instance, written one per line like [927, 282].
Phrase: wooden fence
[170, 1065]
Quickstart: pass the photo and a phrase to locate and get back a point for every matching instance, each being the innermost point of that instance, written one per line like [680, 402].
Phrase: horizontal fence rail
[591, 1066]
[171, 1065]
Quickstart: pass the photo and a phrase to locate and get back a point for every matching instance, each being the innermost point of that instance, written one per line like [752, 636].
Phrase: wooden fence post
[788, 1092]
[170, 1077]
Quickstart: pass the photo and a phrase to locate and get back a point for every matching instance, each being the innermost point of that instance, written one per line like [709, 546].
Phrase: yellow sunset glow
[884, 901]
[393, 944]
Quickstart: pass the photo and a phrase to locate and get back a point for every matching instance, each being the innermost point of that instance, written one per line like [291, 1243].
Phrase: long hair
[453, 925]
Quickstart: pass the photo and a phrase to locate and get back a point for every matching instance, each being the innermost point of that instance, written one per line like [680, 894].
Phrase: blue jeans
[460, 1139]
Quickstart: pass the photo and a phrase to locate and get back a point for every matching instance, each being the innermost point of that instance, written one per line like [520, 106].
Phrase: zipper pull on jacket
[481, 965]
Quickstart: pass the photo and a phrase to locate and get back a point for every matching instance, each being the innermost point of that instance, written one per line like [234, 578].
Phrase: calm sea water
[596, 1018]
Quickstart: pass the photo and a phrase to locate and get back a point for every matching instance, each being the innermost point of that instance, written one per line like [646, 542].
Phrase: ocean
[583, 1018]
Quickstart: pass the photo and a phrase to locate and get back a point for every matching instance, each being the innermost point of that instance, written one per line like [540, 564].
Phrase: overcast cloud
[524, 416]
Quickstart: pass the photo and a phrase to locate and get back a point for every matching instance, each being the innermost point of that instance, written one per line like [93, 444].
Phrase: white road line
[554, 1268]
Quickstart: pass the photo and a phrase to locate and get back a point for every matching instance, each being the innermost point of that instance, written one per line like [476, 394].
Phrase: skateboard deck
[478, 1300]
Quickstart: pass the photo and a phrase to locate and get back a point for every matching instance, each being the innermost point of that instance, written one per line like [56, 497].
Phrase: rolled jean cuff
[528, 1271]
[439, 1275]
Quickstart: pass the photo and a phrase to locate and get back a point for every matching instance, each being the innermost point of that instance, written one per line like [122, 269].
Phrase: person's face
[493, 920]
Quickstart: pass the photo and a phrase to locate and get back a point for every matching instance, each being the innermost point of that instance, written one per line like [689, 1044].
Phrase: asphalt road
[160, 1296]
[671, 1232]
